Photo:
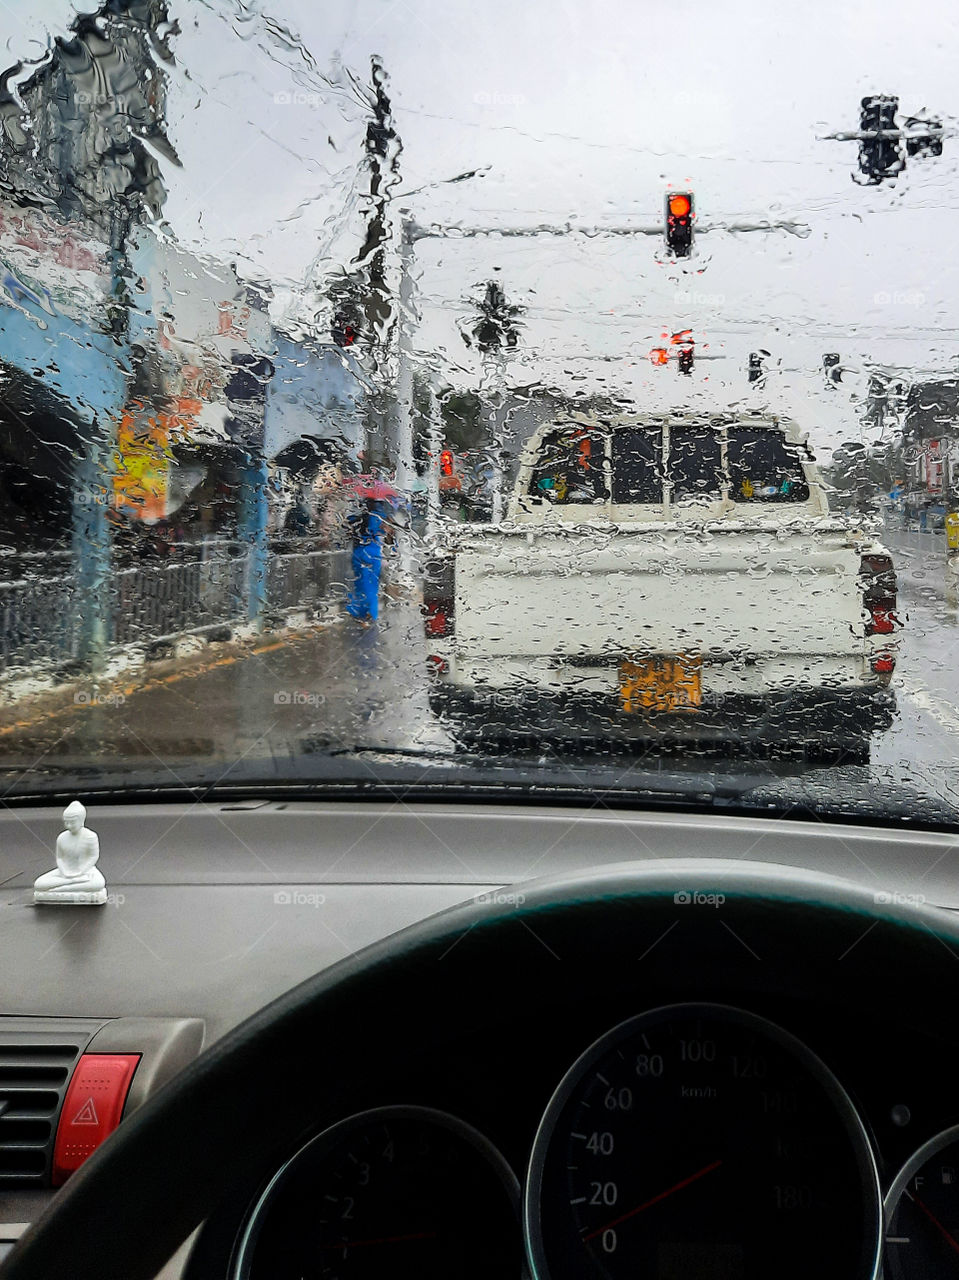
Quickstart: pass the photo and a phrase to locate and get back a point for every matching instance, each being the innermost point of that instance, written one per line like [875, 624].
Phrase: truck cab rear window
[695, 463]
[570, 468]
[638, 464]
[763, 467]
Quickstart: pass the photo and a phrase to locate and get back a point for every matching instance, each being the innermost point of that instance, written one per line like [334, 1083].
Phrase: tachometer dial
[703, 1143]
[399, 1191]
[922, 1213]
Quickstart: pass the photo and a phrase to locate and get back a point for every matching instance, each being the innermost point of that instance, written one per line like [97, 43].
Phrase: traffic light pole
[405, 470]
[411, 232]
[432, 469]
[498, 421]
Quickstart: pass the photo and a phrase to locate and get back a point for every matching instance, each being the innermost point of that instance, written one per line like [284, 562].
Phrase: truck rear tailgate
[761, 591]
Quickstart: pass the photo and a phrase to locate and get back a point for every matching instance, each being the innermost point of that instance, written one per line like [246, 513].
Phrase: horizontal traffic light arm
[870, 135]
[789, 225]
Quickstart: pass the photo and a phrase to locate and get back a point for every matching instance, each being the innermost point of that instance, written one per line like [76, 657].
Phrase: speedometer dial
[699, 1142]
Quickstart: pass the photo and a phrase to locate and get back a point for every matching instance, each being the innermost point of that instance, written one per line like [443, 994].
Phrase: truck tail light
[884, 664]
[879, 594]
[439, 618]
[439, 598]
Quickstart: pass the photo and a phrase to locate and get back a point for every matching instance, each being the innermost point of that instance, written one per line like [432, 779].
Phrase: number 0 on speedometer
[699, 1142]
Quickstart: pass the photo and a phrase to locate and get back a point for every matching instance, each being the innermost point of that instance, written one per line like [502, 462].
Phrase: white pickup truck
[674, 577]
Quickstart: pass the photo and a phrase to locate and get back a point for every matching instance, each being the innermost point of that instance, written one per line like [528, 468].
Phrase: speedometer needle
[934, 1220]
[677, 1186]
[359, 1244]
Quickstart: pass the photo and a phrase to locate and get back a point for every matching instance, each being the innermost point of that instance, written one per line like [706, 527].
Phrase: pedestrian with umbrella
[369, 526]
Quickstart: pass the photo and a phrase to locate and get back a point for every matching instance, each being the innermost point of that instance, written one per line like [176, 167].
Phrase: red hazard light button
[92, 1108]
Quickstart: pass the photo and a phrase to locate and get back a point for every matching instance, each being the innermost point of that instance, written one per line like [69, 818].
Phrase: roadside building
[931, 447]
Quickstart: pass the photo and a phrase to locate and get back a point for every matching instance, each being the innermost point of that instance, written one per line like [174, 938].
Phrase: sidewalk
[285, 695]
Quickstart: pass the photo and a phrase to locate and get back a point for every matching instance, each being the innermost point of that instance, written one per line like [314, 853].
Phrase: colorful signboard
[48, 268]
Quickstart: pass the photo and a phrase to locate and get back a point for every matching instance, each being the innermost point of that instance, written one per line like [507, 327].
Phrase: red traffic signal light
[446, 462]
[659, 355]
[680, 214]
[345, 333]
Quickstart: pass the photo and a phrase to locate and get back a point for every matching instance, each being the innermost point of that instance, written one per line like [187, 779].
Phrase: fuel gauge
[922, 1213]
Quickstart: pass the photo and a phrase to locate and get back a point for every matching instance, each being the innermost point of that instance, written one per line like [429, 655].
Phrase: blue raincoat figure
[369, 528]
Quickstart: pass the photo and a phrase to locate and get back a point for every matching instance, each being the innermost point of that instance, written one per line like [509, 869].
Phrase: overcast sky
[584, 112]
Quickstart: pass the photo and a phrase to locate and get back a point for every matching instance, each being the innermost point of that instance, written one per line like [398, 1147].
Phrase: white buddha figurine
[75, 878]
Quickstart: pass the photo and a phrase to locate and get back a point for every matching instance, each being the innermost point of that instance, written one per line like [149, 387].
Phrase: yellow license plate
[664, 682]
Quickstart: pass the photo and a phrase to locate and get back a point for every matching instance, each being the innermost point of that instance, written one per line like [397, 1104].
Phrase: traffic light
[659, 355]
[927, 139]
[497, 323]
[879, 157]
[756, 371]
[832, 368]
[685, 360]
[679, 216]
[446, 462]
[345, 333]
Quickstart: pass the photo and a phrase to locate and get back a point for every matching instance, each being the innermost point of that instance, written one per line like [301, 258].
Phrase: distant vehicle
[666, 578]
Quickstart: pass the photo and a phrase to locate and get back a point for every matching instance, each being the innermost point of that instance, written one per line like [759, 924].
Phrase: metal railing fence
[195, 588]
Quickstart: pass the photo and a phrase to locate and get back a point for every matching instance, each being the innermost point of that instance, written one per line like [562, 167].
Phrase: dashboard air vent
[35, 1069]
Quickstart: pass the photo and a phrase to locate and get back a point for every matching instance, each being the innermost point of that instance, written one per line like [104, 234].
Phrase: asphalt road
[927, 675]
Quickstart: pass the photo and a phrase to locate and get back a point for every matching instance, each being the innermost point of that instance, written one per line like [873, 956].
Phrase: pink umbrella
[373, 487]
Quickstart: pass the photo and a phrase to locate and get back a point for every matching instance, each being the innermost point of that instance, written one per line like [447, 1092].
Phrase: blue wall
[86, 368]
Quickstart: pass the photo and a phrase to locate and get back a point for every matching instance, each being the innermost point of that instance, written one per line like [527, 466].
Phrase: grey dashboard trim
[404, 843]
[167, 1045]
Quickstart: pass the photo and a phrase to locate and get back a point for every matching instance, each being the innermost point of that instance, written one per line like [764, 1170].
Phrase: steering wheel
[249, 1099]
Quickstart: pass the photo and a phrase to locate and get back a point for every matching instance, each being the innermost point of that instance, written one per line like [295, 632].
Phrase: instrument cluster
[695, 1140]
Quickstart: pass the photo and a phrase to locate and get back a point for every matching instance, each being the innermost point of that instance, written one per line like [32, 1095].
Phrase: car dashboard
[704, 1032]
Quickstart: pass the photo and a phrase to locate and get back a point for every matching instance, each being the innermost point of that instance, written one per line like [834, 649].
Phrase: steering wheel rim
[132, 1204]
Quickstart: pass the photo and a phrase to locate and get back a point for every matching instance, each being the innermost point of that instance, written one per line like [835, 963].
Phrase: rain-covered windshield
[501, 400]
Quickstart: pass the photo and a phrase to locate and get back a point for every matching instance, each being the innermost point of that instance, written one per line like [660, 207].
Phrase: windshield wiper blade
[479, 769]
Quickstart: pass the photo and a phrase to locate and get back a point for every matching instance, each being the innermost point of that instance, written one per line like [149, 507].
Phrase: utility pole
[495, 332]
[363, 303]
[383, 148]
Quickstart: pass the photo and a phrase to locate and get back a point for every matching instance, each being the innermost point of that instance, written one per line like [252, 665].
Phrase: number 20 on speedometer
[700, 1142]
